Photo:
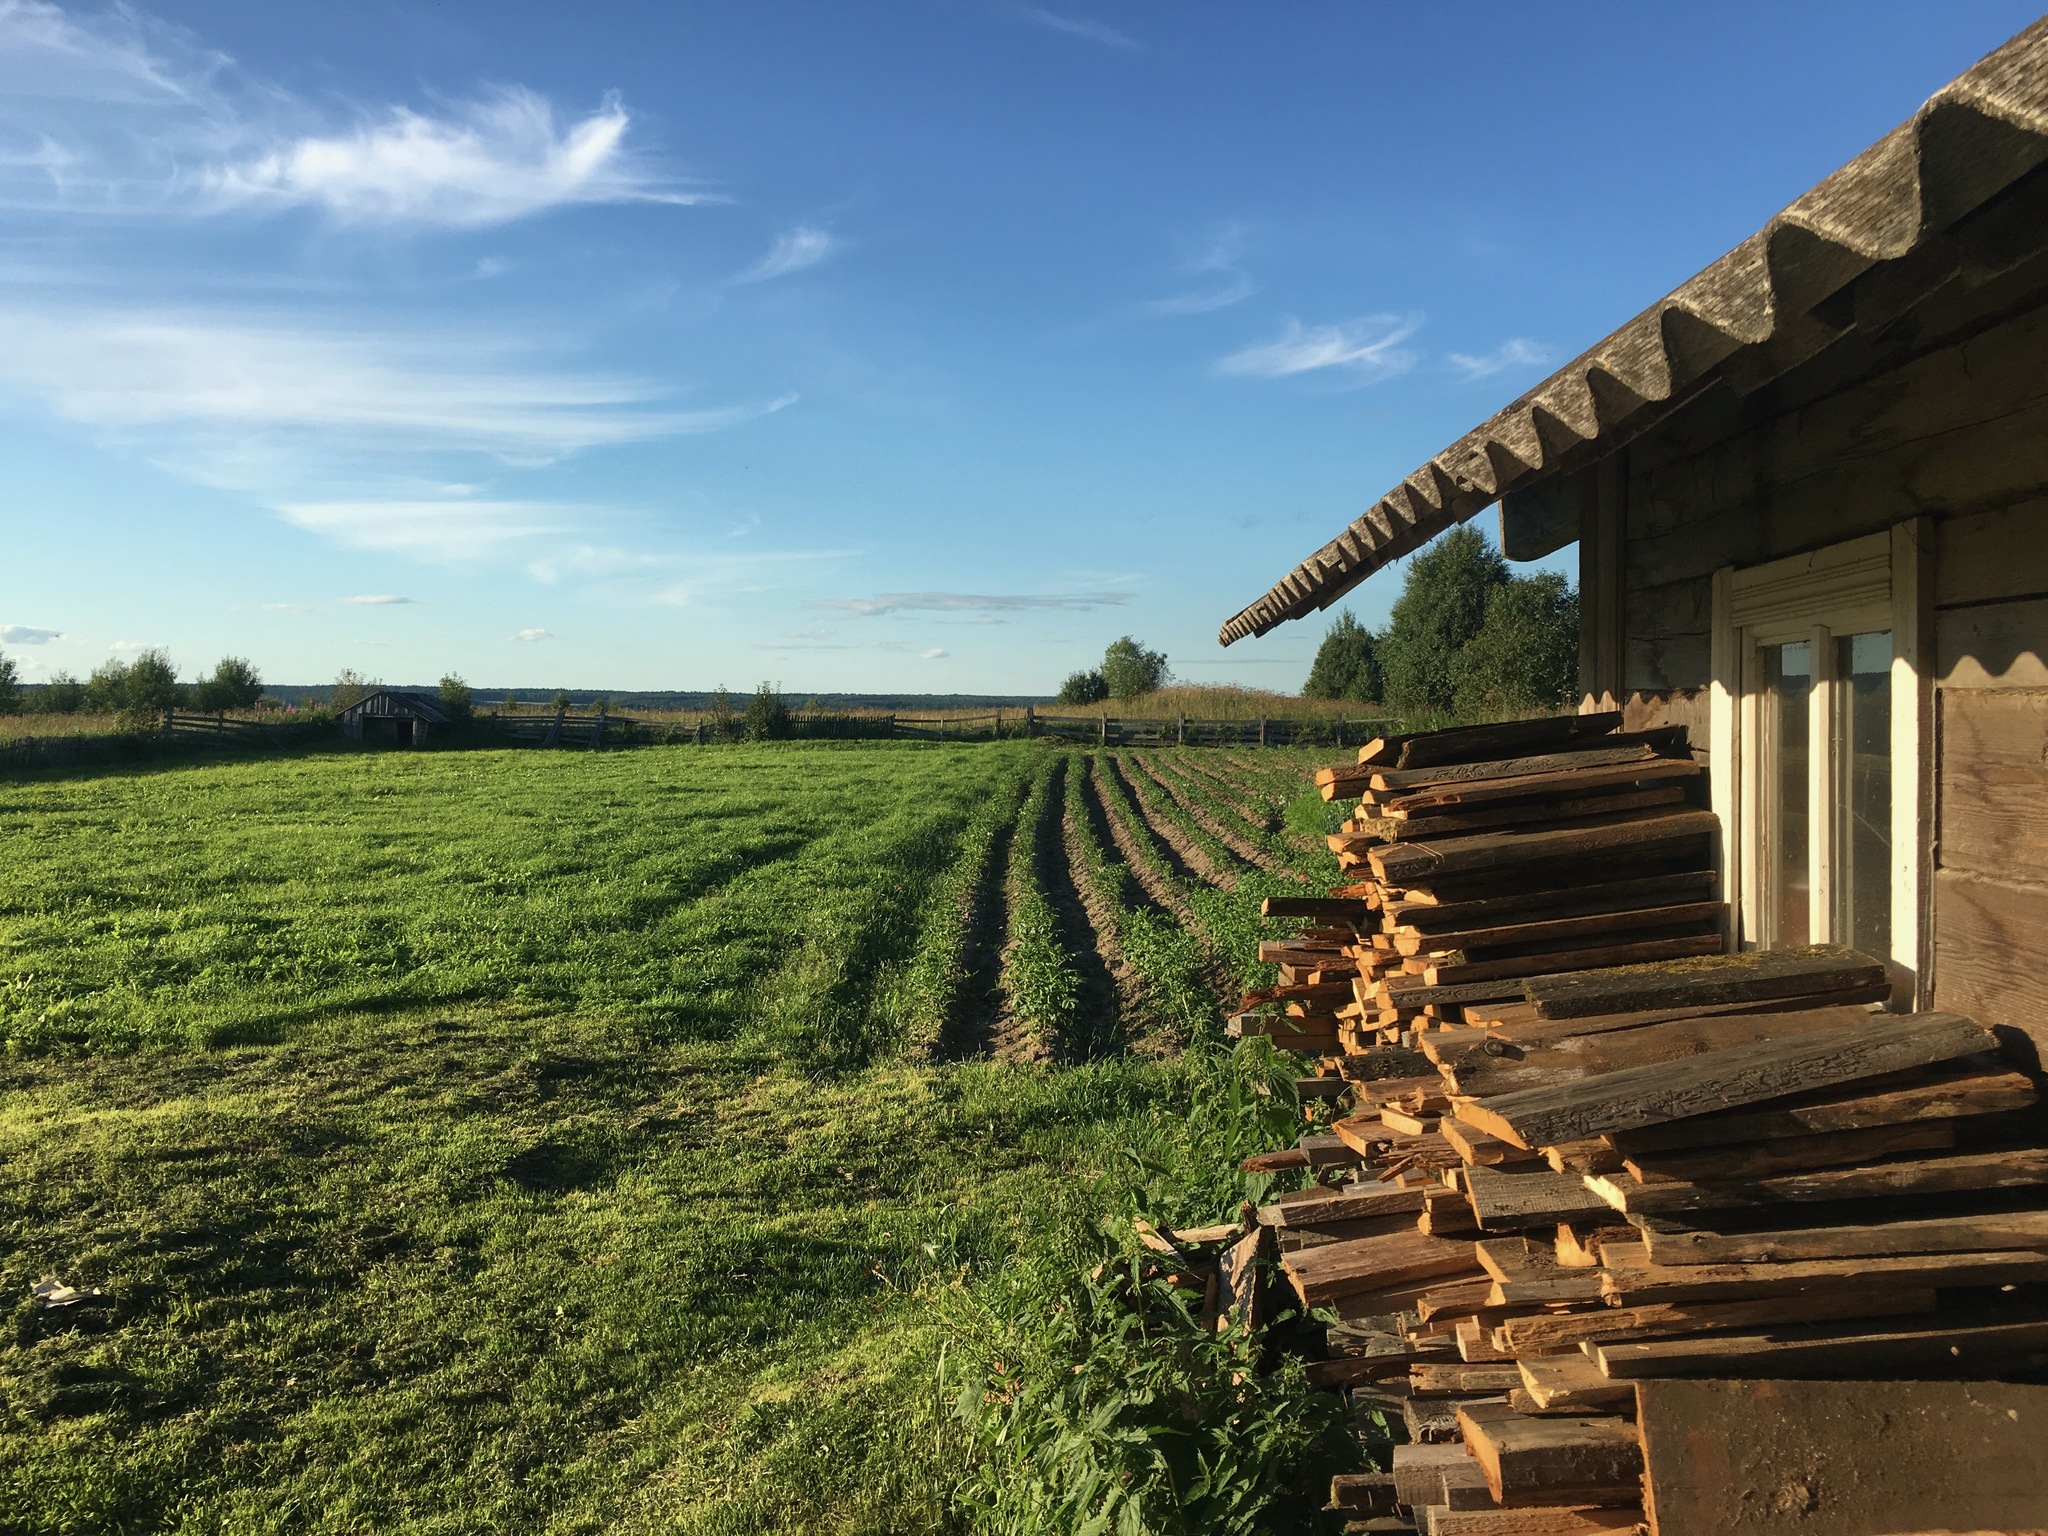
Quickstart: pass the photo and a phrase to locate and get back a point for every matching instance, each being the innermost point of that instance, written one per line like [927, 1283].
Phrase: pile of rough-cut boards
[1706, 1245]
[1479, 856]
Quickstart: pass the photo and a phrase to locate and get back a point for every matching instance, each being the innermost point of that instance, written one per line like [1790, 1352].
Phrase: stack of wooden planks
[1674, 1246]
[1479, 856]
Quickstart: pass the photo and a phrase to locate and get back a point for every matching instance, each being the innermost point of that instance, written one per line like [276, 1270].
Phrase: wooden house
[1809, 491]
[397, 717]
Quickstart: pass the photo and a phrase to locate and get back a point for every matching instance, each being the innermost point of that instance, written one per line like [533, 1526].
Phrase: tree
[1525, 657]
[1442, 605]
[456, 698]
[1346, 665]
[560, 702]
[1128, 669]
[349, 688]
[1084, 688]
[234, 685]
[767, 715]
[511, 704]
[10, 686]
[62, 695]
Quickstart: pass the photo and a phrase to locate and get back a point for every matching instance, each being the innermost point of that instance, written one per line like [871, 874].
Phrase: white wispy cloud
[1369, 349]
[1515, 352]
[971, 602]
[441, 531]
[375, 600]
[27, 634]
[1217, 260]
[287, 607]
[933, 654]
[725, 574]
[484, 162]
[533, 634]
[792, 252]
[1076, 26]
[115, 110]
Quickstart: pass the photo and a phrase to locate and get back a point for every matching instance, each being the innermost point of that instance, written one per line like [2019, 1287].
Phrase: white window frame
[1872, 583]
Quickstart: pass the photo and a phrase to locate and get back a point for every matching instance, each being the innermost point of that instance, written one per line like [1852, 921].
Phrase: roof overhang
[1756, 312]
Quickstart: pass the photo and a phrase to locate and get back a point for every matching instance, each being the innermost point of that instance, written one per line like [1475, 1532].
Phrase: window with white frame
[1817, 729]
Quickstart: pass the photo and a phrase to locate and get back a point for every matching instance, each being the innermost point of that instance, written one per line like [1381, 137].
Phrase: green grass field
[499, 1141]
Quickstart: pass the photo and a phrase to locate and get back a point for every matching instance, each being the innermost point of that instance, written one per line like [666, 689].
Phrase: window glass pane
[1862, 875]
[1788, 684]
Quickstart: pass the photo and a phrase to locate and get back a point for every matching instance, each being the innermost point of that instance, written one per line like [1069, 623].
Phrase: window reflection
[1787, 689]
[1862, 732]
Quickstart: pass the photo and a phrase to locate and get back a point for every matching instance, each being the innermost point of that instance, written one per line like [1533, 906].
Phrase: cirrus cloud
[971, 602]
[533, 634]
[1515, 352]
[792, 252]
[28, 634]
[1369, 349]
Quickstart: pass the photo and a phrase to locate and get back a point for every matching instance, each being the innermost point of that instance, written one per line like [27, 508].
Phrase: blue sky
[922, 345]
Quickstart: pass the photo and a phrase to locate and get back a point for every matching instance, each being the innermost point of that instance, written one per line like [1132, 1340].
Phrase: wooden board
[1553, 1461]
[1373, 1264]
[1321, 1206]
[1914, 1176]
[1420, 863]
[1564, 1330]
[1932, 1348]
[1551, 811]
[1547, 930]
[1744, 1074]
[1665, 948]
[1581, 901]
[1751, 976]
[1941, 1234]
[1746, 1458]
[1948, 1096]
[1461, 1380]
[1506, 1198]
[1554, 1521]
[1994, 783]
[1466, 743]
[1989, 936]
[1507, 1065]
[1789, 1154]
[1692, 1283]
[1572, 1383]
[1429, 793]
[1588, 759]
[1326, 909]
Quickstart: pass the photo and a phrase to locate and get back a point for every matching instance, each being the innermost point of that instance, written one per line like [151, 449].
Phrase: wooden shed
[1810, 495]
[396, 717]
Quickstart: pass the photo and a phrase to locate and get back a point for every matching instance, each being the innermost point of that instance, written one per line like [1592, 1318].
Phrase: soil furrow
[972, 1024]
[1187, 857]
[1232, 791]
[1012, 1037]
[1116, 833]
[1198, 813]
[1087, 939]
[1099, 1035]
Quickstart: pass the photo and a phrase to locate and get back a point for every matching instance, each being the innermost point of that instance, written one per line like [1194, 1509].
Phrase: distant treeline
[680, 700]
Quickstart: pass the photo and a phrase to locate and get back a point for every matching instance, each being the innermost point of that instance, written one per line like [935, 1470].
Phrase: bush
[455, 698]
[560, 702]
[1525, 657]
[1346, 664]
[137, 691]
[10, 686]
[1442, 605]
[1128, 669]
[234, 685]
[1084, 688]
[767, 716]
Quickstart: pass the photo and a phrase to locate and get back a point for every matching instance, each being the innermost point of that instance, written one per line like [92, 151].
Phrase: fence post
[1340, 730]
[1030, 720]
[1180, 730]
[1262, 730]
[892, 727]
[169, 712]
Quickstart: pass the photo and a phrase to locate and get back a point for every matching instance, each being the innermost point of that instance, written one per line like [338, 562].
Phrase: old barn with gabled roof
[1809, 491]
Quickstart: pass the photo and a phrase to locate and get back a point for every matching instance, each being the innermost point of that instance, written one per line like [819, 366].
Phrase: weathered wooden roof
[1754, 307]
[414, 703]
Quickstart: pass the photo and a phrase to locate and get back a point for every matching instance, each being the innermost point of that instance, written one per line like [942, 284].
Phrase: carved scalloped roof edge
[1974, 137]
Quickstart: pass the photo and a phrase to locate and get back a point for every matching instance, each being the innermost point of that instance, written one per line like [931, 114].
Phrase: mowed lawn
[511, 1141]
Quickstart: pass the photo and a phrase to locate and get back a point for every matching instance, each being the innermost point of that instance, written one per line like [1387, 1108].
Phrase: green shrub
[1525, 658]
[1128, 669]
[767, 716]
[234, 685]
[10, 687]
[1346, 665]
[456, 698]
[1084, 688]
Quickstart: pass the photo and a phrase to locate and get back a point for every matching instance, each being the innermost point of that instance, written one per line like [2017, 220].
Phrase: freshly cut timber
[1953, 1096]
[1581, 901]
[1758, 1458]
[1765, 1159]
[1669, 1243]
[1553, 1461]
[1507, 1198]
[1407, 864]
[1572, 1383]
[1746, 1074]
[1565, 1330]
[1421, 791]
[2022, 1167]
[1679, 1283]
[1748, 977]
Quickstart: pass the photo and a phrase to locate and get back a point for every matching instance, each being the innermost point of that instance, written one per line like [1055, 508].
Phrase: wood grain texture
[1752, 976]
[1694, 1283]
[1942, 1234]
[1504, 1199]
[1989, 937]
[1746, 1458]
[1373, 1264]
[1994, 783]
[1534, 1335]
[1745, 1074]
[2000, 645]
[1790, 1154]
[1419, 863]
[1552, 1461]
[1911, 1176]
[1933, 1347]
[1948, 1096]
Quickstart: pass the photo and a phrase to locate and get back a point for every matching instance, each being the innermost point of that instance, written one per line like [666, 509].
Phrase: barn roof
[1752, 312]
[416, 702]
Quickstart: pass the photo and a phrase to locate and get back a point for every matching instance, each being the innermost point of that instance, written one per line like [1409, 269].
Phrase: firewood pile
[1643, 1236]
